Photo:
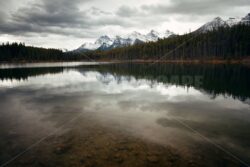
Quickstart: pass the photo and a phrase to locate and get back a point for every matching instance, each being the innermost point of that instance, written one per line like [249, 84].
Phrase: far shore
[196, 61]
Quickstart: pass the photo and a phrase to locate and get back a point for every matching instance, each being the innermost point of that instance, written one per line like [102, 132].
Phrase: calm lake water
[111, 115]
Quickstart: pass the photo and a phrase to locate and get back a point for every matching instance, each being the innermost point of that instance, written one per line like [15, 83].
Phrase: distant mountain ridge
[219, 22]
[105, 42]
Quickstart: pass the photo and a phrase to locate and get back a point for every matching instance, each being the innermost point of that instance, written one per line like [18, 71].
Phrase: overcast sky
[69, 23]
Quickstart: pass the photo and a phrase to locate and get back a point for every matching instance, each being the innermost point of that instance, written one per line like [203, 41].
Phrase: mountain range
[106, 43]
[219, 22]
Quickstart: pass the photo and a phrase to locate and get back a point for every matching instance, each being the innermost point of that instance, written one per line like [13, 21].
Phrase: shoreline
[212, 61]
[195, 61]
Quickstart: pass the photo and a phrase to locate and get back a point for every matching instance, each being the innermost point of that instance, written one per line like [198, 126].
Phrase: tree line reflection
[228, 80]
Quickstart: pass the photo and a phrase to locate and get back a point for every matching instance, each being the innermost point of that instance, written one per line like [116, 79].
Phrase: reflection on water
[125, 115]
[39, 65]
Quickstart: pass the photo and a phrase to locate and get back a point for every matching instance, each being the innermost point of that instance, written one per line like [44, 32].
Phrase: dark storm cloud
[42, 17]
[57, 17]
[196, 7]
[65, 17]
[51, 13]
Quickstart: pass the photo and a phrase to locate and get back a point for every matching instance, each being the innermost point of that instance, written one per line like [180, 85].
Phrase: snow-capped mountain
[167, 34]
[212, 25]
[233, 21]
[135, 36]
[121, 42]
[89, 46]
[219, 22]
[153, 36]
[246, 19]
[105, 42]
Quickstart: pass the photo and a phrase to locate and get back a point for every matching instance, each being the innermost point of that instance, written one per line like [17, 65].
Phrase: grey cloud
[87, 19]
[197, 7]
[98, 12]
[134, 16]
[4, 6]
[126, 11]
[57, 17]
[2, 16]
[51, 13]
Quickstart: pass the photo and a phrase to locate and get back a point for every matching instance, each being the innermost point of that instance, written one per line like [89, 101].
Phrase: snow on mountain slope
[167, 34]
[102, 42]
[213, 25]
[121, 42]
[246, 19]
[89, 46]
[233, 21]
[153, 35]
[218, 22]
[136, 36]
[105, 42]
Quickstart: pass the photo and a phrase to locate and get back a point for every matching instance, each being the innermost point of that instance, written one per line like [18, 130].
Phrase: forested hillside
[225, 43]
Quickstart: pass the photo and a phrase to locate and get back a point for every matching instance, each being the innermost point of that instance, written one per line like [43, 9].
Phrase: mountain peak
[87, 46]
[153, 32]
[167, 34]
[118, 37]
[233, 21]
[153, 35]
[104, 37]
[104, 42]
[135, 33]
[135, 36]
[246, 18]
[213, 25]
[217, 19]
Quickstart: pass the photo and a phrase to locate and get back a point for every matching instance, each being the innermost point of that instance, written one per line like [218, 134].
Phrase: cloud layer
[81, 20]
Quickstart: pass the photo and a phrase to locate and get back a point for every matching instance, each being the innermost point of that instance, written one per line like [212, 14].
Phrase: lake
[109, 115]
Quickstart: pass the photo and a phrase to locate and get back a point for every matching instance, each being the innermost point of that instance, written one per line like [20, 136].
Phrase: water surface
[125, 115]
